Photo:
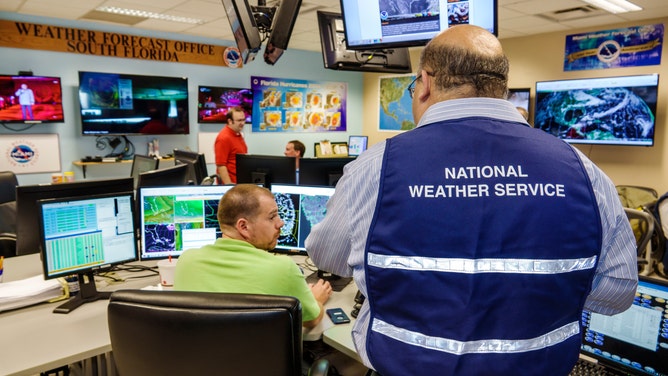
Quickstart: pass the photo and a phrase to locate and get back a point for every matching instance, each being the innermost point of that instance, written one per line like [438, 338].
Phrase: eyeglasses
[411, 86]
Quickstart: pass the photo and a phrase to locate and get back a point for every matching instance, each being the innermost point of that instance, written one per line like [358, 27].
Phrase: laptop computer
[634, 342]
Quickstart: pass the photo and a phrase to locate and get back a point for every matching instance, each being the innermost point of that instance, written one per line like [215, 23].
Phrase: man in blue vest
[476, 239]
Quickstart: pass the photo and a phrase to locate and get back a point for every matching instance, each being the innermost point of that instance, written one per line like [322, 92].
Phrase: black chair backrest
[203, 333]
[8, 183]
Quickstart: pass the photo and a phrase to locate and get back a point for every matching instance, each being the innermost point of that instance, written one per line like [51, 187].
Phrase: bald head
[472, 38]
[466, 61]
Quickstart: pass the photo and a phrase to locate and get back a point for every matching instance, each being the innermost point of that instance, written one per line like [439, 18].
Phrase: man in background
[26, 100]
[476, 239]
[240, 261]
[229, 143]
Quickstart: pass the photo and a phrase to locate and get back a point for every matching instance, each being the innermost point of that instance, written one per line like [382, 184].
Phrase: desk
[34, 339]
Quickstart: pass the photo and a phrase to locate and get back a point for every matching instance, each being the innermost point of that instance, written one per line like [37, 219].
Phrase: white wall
[293, 64]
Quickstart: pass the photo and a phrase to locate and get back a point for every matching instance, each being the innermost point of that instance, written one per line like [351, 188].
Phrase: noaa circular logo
[232, 57]
[608, 51]
[22, 153]
[383, 15]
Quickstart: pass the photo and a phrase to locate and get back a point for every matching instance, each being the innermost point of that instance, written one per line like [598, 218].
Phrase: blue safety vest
[481, 252]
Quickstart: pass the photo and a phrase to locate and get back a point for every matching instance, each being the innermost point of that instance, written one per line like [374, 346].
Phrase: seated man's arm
[322, 290]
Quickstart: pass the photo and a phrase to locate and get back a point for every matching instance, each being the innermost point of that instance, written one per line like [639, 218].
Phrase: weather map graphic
[165, 220]
[299, 213]
[597, 114]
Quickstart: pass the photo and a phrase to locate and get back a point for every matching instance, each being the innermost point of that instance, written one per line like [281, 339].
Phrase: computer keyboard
[585, 368]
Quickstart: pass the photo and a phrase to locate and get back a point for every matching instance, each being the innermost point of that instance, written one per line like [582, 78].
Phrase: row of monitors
[91, 226]
[190, 168]
[81, 234]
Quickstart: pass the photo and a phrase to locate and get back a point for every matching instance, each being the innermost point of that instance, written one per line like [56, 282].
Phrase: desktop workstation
[44, 340]
[49, 340]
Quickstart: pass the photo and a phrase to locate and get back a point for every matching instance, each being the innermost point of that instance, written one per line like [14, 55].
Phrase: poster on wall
[31, 153]
[396, 112]
[628, 47]
[287, 105]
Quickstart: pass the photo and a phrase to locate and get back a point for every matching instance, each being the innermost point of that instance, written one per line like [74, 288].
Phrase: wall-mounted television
[607, 110]
[337, 56]
[31, 99]
[213, 102]
[281, 30]
[385, 24]
[126, 104]
[244, 28]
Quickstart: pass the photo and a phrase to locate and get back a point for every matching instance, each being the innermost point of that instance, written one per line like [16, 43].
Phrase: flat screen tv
[173, 219]
[606, 110]
[281, 30]
[213, 102]
[244, 28]
[129, 104]
[83, 235]
[266, 169]
[337, 56]
[27, 213]
[300, 207]
[31, 99]
[386, 24]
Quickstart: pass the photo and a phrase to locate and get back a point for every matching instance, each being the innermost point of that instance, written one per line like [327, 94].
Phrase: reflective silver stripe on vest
[476, 347]
[471, 266]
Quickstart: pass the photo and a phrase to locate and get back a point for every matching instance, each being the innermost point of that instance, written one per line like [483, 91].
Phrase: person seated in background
[295, 148]
[239, 262]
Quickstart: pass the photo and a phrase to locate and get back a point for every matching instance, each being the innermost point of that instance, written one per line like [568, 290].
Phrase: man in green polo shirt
[240, 262]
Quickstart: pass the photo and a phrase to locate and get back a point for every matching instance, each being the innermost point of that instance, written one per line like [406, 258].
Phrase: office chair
[633, 196]
[8, 229]
[643, 223]
[203, 333]
[8, 183]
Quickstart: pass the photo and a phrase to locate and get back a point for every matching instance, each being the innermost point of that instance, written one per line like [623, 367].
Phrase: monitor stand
[87, 293]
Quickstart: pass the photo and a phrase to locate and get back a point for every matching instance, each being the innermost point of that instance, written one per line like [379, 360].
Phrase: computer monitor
[85, 234]
[173, 219]
[634, 342]
[321, 171]
[27, 213]
[174, 175]
[300, 207]
[266, 169]
[143, 163]
[196, 164]
[356, 145]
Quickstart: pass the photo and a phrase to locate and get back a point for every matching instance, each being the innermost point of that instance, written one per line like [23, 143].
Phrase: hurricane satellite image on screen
[300, 213]
[597, 114]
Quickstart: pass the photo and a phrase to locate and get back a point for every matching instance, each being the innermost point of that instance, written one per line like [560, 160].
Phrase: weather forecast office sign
[102, 43]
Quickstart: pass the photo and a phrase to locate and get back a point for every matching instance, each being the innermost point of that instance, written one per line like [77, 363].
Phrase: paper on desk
[28, 291]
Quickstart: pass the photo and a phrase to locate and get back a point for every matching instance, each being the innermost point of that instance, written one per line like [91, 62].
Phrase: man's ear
[425, 93]
[242, 227]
